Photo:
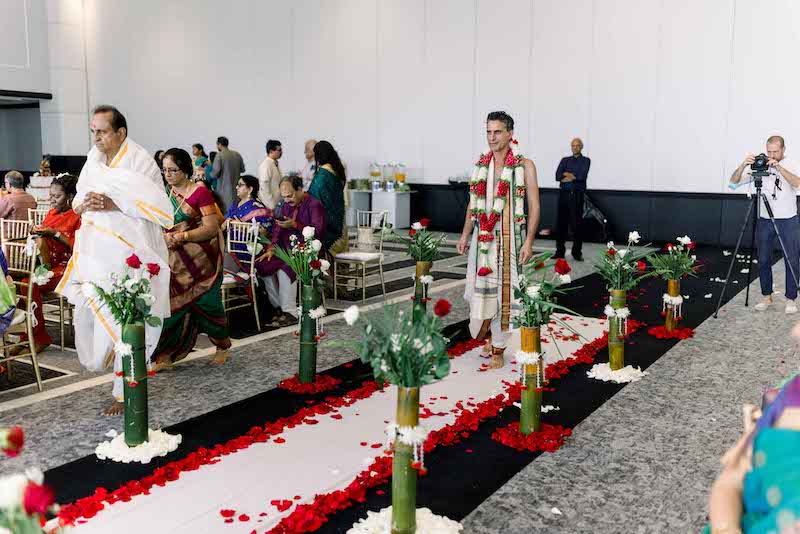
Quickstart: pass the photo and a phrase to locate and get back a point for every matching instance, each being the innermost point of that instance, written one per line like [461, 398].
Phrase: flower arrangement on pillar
[677, 261]
[537, 295]
[409, 352]
[303, 259]
[622, 269]
[423, 246]
[129, 299]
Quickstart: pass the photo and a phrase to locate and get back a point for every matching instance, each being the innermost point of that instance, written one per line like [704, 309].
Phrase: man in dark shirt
[572, 173]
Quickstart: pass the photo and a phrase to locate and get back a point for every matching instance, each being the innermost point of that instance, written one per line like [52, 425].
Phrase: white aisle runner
[315, 458]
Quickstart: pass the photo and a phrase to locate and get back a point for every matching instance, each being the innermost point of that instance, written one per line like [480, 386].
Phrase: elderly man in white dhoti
[124, 207]
[503, 180]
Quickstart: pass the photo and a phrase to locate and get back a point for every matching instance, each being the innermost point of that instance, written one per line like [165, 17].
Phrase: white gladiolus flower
[123, 350]
[316, 246]
[148, 299]
[533, 291]
[384, 367]
[417, 226]
[396, 346]
[685, 240]
[634, 237]
[621, 253]
[12, 489]
[694, 258]
[308, 232]
[351, 315]
[566, 279]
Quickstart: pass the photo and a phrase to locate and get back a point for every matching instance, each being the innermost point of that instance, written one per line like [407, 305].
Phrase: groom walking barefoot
[503, 181]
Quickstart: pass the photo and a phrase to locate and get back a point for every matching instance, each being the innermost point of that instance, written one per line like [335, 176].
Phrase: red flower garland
[320, 384]
[550, 438]
[681, 332]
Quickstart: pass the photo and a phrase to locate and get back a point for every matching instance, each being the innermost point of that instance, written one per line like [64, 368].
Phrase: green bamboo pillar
[420, 306]
[135, 414]
[616, 346]
[404, 477]
[673, 290]
[310, 299]
[530, 419]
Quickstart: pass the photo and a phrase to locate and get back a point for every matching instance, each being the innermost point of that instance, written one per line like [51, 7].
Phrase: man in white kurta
[269, 175]
[123, 207]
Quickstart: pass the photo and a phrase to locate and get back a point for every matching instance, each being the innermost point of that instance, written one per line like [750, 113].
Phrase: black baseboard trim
[26, 94]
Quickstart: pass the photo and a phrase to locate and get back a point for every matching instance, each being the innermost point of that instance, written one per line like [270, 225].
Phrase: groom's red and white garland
[512, 178]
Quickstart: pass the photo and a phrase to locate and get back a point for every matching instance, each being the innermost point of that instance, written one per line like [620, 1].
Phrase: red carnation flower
[134, 261]
[562, 267]
[611, 252]
[425, 222]
[14, 441]
[37, 499]
[441, 308]
[641, 266]
[411, 232]
[690, 246]
[315, 264]
[153, 269]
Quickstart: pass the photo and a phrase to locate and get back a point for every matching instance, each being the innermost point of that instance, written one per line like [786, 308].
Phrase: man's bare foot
[163, 366]
[116, 408]
[220, 357]
[497, 360]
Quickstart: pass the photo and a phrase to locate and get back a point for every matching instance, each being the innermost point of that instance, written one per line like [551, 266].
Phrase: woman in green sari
[195, 261]
[328, 187]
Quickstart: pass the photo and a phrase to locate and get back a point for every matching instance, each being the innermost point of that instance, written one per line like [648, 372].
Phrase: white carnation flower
[308, 232]
[316, 246]
[35, 475]
[325, 266]
[148, 299]
[417, 226]
[351, 315]
[12, 489]
[634, 237]
[129, 285]
[566, 279]
[533, 291]
[685, 240]
[621, 253]
[123, 349]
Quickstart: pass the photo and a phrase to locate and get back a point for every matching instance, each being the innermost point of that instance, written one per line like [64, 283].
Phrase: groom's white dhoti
[106, 239]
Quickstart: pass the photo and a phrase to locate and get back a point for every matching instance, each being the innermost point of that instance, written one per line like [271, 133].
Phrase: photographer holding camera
[781, 184]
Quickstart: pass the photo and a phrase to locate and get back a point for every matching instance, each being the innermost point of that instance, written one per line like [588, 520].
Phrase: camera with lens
[761, 163]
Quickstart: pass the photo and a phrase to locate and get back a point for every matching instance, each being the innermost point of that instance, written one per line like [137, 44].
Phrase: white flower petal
[351, 315]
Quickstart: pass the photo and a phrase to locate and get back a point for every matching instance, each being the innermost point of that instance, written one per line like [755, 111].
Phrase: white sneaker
[764, 304]
[791, 307]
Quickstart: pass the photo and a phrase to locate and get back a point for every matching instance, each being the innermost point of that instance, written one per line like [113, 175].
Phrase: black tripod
[757, 176]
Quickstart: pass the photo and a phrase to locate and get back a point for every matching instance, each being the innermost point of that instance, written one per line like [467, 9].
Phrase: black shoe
[557, 256]
[578, 257]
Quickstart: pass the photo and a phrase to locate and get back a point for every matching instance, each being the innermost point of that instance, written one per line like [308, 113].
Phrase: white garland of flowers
[426, 280]
[317, 314]
[413, 436]
[674, 303]
[622, 314]
[528, 358]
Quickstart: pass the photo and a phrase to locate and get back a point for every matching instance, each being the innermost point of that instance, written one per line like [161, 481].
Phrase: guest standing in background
[15, 204]
[269, 175]
[228, 166]
[571, 174]
[328, 187]
[310, 167]
[200, 160]
[213, 181]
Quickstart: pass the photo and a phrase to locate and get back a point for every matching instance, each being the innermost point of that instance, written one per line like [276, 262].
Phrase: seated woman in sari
[758, 491]
[195, 262]
[328, 187]
[56, 238]
[249, 209]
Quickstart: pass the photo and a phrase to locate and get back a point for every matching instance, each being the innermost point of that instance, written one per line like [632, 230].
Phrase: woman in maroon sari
[195, 262]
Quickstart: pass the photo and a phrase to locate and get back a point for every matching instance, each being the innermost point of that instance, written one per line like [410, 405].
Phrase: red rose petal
[227, 513]
[244, 517]
[279, 440]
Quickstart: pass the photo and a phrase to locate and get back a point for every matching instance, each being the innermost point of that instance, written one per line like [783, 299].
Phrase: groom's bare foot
[163, 366]
[116, 408]
[497, 360]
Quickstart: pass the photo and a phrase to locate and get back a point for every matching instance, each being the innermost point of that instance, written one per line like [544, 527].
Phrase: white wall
[662, 91]
[23, 46]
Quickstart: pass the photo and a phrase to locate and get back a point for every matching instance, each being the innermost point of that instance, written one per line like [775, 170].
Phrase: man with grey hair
[14, 206]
